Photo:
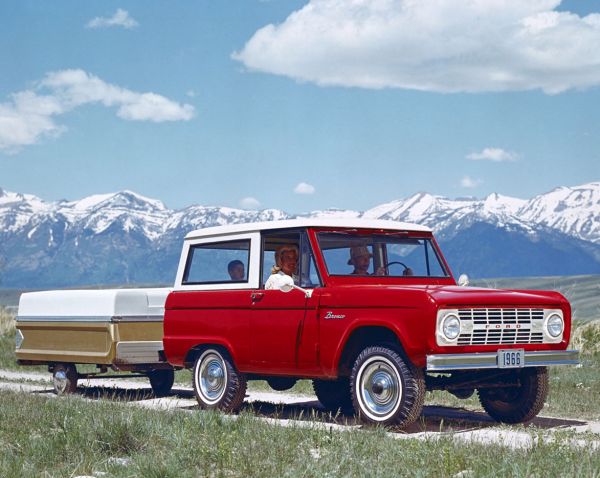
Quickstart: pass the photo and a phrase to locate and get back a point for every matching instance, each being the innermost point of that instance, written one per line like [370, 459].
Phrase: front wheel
[517, 404]
[217, 383]
[385, 389]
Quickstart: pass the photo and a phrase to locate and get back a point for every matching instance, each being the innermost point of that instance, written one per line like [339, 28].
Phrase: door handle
[257, 296]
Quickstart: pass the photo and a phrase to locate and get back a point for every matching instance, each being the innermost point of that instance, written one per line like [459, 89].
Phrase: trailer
[117, 330]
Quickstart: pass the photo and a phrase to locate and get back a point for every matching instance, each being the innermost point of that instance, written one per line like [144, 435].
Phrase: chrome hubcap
[379, 388]
[212, 377]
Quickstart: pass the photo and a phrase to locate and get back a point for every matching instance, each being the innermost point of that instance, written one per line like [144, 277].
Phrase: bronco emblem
[331, 315]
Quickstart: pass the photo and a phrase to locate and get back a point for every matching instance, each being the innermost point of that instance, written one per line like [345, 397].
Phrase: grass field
[71, 437]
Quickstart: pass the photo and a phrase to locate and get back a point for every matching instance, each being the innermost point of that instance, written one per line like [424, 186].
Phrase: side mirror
[463, 280]
[286, 284]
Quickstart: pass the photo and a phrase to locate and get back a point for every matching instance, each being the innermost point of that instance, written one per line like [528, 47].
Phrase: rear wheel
[520, 403]
[161, 381]
[385, 389]
[217, 383]
[64, 378]
[334, 395]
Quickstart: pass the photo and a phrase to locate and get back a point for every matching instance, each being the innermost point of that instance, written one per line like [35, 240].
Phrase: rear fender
[217, 343]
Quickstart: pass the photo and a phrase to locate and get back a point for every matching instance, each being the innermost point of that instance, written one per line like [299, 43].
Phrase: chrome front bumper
[442, 363]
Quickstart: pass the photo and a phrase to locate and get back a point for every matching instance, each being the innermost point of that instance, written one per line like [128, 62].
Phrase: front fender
[409, 329]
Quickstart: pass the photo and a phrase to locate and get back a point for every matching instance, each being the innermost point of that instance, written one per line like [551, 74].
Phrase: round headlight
[554, 325]
[451, 326]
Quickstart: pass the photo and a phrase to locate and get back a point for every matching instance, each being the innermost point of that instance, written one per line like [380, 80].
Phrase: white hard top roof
[353, 223]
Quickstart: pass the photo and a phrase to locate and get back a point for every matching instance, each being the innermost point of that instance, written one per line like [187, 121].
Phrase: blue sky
[298, 105]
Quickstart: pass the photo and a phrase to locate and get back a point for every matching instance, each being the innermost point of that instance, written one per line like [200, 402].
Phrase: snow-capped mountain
[16, 210]
[446, 216]
[574, 211]
[126, 237]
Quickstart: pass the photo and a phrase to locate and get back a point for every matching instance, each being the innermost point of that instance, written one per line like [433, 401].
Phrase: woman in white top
[286, 263]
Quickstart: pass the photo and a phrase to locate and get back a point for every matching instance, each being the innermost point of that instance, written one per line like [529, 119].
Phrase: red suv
[367, 309]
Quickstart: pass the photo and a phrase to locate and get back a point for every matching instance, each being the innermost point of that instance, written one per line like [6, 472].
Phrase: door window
[279, 247]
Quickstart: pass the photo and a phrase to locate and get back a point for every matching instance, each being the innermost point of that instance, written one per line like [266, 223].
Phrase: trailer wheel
[64, 377]
[161, 381]
[217, 383]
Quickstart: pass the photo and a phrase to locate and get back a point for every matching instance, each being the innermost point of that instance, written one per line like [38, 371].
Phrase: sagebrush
[7, 322]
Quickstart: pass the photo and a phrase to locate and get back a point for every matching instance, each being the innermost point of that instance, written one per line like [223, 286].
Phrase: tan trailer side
[91, 342]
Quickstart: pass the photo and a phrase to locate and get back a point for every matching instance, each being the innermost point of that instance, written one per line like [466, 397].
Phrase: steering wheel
[387, 264]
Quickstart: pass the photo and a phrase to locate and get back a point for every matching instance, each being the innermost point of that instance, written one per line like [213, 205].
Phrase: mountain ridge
[139, 238]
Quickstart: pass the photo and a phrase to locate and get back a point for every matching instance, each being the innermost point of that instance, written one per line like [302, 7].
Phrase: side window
[220, 262]
[286, 245]
[289, 245]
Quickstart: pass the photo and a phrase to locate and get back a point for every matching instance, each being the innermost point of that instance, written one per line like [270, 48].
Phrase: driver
[360, 258]
[286, 263]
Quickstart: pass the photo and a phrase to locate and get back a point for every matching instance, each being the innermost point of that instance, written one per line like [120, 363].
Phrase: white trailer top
[93, 305]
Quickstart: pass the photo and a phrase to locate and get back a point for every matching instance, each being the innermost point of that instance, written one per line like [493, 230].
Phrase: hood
[475, 296]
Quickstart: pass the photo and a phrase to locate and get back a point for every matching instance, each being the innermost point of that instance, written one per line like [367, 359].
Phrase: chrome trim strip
[138, 318]
[90, 318]
[56, 318]
[441, 363]
[139, 352]
[500, 325]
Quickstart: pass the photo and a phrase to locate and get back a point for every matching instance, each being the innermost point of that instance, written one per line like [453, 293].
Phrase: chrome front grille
[499, 326]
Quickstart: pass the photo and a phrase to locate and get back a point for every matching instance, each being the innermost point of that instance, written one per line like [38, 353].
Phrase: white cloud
[30, 115]
[493, 154]
[26, 119]
[436, 45]
[76, 87]
[249, 203]
[304, 188]
[121, 18]
[470, 183]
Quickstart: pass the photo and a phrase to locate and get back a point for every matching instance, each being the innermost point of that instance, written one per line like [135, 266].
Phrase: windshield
[380, 255]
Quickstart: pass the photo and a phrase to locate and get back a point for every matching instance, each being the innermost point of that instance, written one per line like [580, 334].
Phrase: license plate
[511, 358]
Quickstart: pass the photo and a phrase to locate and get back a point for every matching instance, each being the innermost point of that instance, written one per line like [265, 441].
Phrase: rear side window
[219, 262]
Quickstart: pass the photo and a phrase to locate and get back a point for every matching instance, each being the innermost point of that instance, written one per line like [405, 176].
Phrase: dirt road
[301, 410]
